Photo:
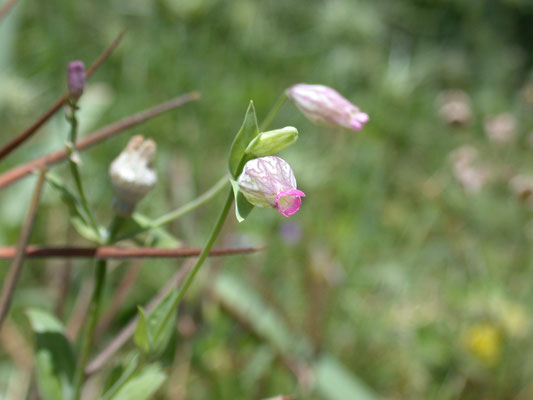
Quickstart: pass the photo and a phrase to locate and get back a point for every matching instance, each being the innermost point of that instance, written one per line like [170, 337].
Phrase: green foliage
[242, 206]
[78, 216]
[136, 382]
[398, 271]
[154, 330]
[53, 356]
[248, 132]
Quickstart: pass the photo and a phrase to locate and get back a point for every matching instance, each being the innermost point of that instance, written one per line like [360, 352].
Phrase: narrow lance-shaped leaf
[248, 132]
[140, 385]
[154, 330]
[78, 216]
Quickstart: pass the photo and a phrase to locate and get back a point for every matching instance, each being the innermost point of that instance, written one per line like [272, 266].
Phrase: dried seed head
[132, 174]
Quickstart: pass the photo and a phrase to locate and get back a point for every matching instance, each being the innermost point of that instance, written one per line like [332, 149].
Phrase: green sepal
[242, 206]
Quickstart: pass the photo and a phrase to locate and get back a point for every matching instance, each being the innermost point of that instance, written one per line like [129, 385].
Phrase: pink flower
[324, 105]
[269, 182]
[76, 79]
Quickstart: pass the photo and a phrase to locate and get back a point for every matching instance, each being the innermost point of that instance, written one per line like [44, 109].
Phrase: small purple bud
[324, 105]
[76, 79]
[270, 182]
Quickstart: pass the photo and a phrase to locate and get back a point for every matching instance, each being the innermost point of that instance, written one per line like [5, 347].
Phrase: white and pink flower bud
[324, 105]
[76, 79]
[270, 182]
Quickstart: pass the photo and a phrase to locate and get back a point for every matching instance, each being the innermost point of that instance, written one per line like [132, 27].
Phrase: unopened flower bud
[76, 79]
[270, 182]
[132, 174]
[267, 143]
[324, 105]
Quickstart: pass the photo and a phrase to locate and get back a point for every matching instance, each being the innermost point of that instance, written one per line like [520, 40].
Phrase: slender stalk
[204, 198]
[30, 131]
[201, 258]
[73, 163]
[127, 331]
[118, 253]
[14, 174]
[16, 266]
[94, 311]
[273, 112]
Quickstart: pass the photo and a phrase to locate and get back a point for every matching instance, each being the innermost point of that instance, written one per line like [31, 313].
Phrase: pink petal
[291, 201]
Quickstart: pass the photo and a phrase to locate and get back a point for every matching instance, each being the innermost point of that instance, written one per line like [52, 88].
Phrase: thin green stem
[71, 150]
[186, 208]
[273, 112]
[201, 258]
[94, 311]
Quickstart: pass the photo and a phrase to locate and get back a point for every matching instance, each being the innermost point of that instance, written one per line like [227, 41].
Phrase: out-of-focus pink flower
[470, 175]
[454, 107]
[270, 182]
[324, 105]
[76, 79]
[500, 128]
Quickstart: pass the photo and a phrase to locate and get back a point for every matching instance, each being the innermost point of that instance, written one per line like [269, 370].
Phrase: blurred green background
[407, 272]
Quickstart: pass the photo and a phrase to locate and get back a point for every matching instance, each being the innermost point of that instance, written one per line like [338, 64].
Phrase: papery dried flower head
[324, 105]
[500, 128]
[76, 79]
[132, 174]
[270, 182]
[454, 107]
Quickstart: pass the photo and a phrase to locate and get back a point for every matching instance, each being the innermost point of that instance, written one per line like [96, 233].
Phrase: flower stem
[94, 311]
[201, 258]
[71, 152]
[179, 212]
[273, 112]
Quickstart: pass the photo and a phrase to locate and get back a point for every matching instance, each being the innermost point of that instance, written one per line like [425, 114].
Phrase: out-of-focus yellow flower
[484, 341]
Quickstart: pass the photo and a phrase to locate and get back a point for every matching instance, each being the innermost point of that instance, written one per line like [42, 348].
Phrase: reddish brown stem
[118, 253]
[25, 135]
[11, 176]
[19, 253]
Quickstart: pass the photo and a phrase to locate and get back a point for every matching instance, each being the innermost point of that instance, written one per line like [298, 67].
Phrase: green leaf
[243, 301]
[248, 132]
[242, 206]
[140, 385]
[157, 237]
[78, 216]
[141, 337]
[54, 358]
[156, 328]
[123, 378]
[334, 381]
